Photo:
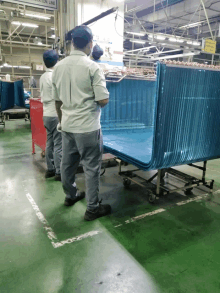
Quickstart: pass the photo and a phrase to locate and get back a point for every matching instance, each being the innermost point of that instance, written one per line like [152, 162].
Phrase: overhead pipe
[98, 17]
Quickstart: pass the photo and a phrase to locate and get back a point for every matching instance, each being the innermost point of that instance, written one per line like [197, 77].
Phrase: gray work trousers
[54, 144]
[86, 148]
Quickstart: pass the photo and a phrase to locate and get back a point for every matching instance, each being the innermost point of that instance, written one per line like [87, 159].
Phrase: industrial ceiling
[165, 27]
[170, 27]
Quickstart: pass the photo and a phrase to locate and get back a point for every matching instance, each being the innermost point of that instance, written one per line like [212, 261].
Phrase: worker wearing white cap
[79, 89]
[50, 118]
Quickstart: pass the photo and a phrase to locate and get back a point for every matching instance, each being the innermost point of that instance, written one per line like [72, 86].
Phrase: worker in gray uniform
[50, 118]
[79, 89]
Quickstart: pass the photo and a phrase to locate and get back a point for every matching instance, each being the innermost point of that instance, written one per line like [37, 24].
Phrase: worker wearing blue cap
[50, 118]
[97, 52]
[79, 89]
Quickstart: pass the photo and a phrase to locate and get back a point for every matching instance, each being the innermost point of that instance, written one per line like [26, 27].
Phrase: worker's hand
[59, 129]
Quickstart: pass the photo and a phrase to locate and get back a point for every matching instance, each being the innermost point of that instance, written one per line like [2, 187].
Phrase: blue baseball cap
[82, 36]
[50, 58]
[97, 52]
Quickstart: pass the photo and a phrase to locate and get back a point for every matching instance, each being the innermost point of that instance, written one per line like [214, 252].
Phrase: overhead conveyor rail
[186, 123]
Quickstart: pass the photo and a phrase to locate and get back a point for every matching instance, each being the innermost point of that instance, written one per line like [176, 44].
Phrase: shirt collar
[77, 52]
[49, 70]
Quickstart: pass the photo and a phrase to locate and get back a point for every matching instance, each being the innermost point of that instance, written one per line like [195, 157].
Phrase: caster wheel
[43, 154]
[152, 198]
[189, 190]
[126, 182]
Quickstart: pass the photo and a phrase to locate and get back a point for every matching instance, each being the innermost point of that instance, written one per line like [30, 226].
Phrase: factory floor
[47, 247]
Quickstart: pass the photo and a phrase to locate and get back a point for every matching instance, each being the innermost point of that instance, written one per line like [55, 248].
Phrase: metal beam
[24, 44]
[207, 18]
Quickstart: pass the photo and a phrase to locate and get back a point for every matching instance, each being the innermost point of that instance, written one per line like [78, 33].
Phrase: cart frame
[159, 188]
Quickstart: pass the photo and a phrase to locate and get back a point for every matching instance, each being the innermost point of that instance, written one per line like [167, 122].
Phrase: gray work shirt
[49, 109]
[79, 83]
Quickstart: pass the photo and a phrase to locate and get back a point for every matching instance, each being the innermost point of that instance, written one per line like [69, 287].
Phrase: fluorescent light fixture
[53, 28]
[138, 41]
[196, 43]
[40, 43]
[176, 56]
[16, 23]
[192, 25]
[15, 66]
[180, 40]
[30, 25]
[159, 37]
[172, 39]
[136, 34]
[23, 67]
[25, 24]
[52, 37]
[189, 42]
[36, 15]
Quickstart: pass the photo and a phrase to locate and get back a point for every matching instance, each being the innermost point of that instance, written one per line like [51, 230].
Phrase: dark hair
[81, 36]
[50, 58]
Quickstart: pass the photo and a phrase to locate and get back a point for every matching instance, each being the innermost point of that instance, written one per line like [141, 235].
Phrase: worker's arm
[58, 102]
[99, 86]
[103, 103]
[41, 90]
[58, 108]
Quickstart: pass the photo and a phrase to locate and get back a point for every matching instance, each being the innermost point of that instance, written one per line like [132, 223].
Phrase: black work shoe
[104, 210]
[57, 177]
[49, 174]
[70, 202]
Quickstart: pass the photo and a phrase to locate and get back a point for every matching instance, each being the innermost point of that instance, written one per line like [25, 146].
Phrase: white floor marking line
[118, 225]
[181, 203]
[55, 242]
[77, 238]
[50, 233]
[145, 215]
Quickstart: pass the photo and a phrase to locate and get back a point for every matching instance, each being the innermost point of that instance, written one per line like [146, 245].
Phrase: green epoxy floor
[175, 251]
